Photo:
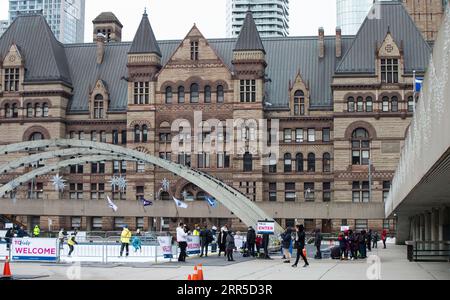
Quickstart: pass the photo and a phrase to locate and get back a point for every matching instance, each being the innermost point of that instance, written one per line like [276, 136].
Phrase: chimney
[338, 42]
[101, 40]
[321, 42]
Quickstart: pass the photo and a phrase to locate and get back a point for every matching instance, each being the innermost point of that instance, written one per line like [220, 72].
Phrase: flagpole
[415, 93]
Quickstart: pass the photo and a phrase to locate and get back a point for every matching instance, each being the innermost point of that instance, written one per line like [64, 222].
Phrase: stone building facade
[343, 105]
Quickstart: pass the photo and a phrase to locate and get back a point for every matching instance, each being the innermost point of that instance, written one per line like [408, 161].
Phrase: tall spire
[144, 41]
[249, 38]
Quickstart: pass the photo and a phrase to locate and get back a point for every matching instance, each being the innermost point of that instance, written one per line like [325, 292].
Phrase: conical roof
[249, 38]
[144, 41]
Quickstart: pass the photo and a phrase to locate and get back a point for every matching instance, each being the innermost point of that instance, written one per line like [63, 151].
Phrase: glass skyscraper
[271, 16]
[351, 14]
[65, 17]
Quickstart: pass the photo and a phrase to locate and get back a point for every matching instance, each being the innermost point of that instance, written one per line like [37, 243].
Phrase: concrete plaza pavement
[394, 266]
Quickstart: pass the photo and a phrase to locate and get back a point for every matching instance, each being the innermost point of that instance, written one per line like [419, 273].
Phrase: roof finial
[145, 11]
[249, 8]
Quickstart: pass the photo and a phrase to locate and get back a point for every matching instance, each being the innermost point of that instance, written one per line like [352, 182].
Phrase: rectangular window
[140, 167]
[361, 192]
[142, 92]
[102, 136]
[124, 137]
[76, 191]
[326, 191]
[311, 135]
[140, 222]
[76, 222]
[385, 105]
[194, 50]
[299, 138]
[290, 194]
[411, 104]
[248, 90]
[288, 135]
[119, 223]
[389, 70]
[94, 136]
[386, 190]
[12, 80]
[203, 160]
[97, 223]
[273, 192]
[309, 191]
[223, 160]
[326, 135]
[140, 192]
[115, 137]
[361, 225]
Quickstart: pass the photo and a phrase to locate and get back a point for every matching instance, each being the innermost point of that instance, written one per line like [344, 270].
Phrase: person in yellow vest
[36, 231]
[125, 238]
[71, 242]
[196, 231]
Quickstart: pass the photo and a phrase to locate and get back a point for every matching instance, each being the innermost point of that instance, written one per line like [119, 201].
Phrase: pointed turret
[249, 38]
[144, 41]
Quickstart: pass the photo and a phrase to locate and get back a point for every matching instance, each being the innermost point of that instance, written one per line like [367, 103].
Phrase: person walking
[125, 238]
[384, 238]
[182, 242]
[223, 239]
[376, 238]
[8, 238]
[318, 243]
[62, 234]
[300, 238]
[286, 245]
[71, 242]
[36, 231]
[137, 242]
[206, 238]
[363, 244]
[230, 246]
[369, 240]
[251, 240]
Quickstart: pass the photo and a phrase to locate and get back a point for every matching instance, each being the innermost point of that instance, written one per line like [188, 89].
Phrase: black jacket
[318, 239]
[287, 239]
[300, 240]
[251, 236]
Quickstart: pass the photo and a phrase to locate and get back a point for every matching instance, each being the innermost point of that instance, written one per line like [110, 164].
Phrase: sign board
[165, 243]
[265, 227]
[9, 225]
[193, 245]
[35, 249]
[345, 228]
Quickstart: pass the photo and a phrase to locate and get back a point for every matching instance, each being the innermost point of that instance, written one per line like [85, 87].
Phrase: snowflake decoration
[122, 183]
[114, 182]
[58, 183]
[165, 185]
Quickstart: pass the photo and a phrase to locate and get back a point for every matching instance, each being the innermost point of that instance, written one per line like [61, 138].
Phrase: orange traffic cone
[200, 272]
[189, 278]
[195, 276]
[6, 269]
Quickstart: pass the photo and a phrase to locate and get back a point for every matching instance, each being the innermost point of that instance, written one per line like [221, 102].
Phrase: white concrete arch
[244, 209]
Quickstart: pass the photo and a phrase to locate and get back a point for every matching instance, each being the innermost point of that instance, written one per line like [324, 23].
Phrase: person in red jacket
[258, 243]
[384, 238]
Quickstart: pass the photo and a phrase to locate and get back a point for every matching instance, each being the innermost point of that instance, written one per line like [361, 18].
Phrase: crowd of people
[355, 245]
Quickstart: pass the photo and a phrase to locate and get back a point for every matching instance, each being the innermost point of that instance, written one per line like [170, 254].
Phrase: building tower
[351, 13]
[108, 24]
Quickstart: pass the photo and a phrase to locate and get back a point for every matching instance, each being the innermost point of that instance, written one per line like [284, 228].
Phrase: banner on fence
[165, 242]
[34, 250]
[266, 227]
[193, 246]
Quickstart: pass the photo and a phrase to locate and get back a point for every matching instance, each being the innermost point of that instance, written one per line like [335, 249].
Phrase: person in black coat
[300, 238]
[206, 238]
[251, 240]
[318, 243]
[222, 239]
[286, 244]
[8, 238]
[369, 240]
[265, 243]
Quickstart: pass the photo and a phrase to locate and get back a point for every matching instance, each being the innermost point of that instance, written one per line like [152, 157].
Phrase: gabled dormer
[299, 96]
[99, 101]
[12, 71]
[389, 61]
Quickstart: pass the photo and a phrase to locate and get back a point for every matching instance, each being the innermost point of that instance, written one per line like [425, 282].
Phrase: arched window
[144, 134]
[351, 104]
[37, 136]
[220, 94]
[7, 111]
[369, 104]
[38, 110]
[311, 162]
[29, 110]
[98, 107]
[299, 103]
[169, 95]
[360, 147]
[360, 104]
[287, 163]
[385, 104]
[327, 163]
[300, 163]
[15, 111]
[394, 104]
[194, 93]
[181, 94]
[45, 110]
[272, 163]
[411, 104]
[207, 94]
[248, 162]
[137, 134]
[164, 196]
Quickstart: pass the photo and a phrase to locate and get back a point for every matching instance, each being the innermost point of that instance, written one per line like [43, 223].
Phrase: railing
[428, 251]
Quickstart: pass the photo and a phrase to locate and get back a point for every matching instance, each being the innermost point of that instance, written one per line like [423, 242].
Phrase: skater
[137, 243]
[230, 246]
[36, 231]
[222, 240]
[384, 238]
[182, 242]
[125, 237]
[318, 243]
[61, 237]
[300, 238]
[71, 242]
[251, 240]
[286, 244]
[206, 238]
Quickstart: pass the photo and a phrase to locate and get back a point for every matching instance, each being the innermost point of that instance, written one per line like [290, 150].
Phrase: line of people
[354, 245]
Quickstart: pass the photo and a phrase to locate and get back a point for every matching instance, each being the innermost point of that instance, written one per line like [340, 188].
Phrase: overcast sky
[172, 19]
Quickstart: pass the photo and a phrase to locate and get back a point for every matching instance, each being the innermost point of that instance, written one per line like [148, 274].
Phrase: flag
[418, 84]
[146, 202]
[179, 203]
[211, 201]
[112, 205]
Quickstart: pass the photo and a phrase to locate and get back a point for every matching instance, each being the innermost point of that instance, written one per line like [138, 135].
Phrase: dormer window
[194, 50]
[12, 79]
[299, 103]
[389, 70]
[99, 107]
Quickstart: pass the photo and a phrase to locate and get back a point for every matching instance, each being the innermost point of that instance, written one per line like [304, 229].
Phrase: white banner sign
[193, 246]
[165, 242]
[345, 228]
[265, 228]
[34, 249]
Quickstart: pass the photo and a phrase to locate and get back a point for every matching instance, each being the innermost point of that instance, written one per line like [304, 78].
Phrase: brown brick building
[342, 103]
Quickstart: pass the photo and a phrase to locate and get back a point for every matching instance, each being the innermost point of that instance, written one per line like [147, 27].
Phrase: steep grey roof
[107, 17]
[394, 18]
[44, 55]
[144, 40]
[249, 38]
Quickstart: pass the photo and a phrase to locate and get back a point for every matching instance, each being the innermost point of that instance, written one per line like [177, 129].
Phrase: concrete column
[427, 219]
[435, 225]
[417, 230]
[422, 227]
[403, 229]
